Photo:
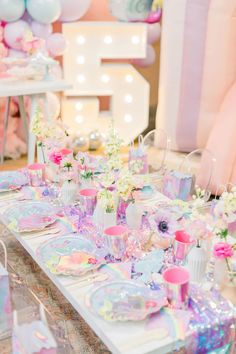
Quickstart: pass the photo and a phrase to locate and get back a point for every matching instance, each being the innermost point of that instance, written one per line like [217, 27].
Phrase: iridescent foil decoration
[211, 322]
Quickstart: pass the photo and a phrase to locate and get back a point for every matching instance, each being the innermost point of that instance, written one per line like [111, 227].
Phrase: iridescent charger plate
[125, 301]
[12, 180]
[70, 255]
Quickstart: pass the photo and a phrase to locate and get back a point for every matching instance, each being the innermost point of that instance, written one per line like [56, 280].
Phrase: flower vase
[109, 219]
[41, 158]
[86, 183]
[133, 216]
[98, 214]
[207, 245]
[68, 192]
[121, 211]
[220, 271]
[196, 263]
[52, 172]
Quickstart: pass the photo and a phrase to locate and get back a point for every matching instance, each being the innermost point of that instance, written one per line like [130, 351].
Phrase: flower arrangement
[50, 134]
[107, 200]
[125, 185]
[225, 213]
[225, 251]
[164, 224]
[31, 44]
[112, 149]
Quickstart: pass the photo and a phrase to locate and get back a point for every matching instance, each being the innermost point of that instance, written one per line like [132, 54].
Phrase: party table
[119, 337]
[36, 90]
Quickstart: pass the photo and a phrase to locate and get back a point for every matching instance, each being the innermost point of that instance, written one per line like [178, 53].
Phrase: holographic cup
[88, 200]
[176, 281]
[115, 238]
[36, 174]
[182, 245]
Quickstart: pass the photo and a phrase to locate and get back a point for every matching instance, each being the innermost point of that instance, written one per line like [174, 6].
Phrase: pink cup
[177, 285]
[36, 174]
[115, 238]
[183, 243]
[66, 153]
[88, 199]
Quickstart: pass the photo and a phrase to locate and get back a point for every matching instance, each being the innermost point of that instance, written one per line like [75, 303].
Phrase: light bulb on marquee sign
[89, 44]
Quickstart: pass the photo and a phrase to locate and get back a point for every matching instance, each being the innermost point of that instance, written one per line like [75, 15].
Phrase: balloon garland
[25, 24]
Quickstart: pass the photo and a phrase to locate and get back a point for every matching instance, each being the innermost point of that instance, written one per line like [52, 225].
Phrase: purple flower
[164, 223]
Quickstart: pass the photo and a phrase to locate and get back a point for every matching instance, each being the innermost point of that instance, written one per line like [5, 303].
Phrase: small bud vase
[197, 263]
[68, 192]
[109, 219]
[133, 216]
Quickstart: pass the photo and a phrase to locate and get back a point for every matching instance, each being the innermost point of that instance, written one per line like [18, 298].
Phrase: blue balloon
[11, 10]
[44, 11]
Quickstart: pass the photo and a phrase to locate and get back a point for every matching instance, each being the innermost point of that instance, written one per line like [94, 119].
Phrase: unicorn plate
[125, 301]
[30, 216]
[11, 180]
[70, 255]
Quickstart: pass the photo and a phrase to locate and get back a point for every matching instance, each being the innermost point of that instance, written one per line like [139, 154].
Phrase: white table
[36, 90]
[120, 338]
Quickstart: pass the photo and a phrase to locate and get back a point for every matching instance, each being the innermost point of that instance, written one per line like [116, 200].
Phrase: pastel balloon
[149, 60]
[16, 53]
[44, 11]
[153, 32]
[154, 16]
[130, 10]
[14, 32]
[73, 10]
[56, 44]
[11, 10]
[41, 30]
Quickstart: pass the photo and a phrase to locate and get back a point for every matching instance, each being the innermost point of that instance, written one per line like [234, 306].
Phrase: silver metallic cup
[115, 238]
[88, 200]
[176, 281]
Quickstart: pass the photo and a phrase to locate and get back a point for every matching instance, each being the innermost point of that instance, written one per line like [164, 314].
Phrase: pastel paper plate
[20, 211]
[12, 180]
[125, 301]
[70, 255]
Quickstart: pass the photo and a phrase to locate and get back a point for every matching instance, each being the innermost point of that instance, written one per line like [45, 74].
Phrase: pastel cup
[36, 174]
[176, 280]
[182, 245]
[66, 153]
[115, 239]
[88, 200]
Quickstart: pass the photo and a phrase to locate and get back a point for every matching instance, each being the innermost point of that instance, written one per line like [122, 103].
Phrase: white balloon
[11, 10]
[44, 11]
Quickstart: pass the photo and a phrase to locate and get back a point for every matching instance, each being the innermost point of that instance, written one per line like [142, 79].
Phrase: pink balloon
[154, 16]
[16, 53]
[153, 33]
[14, 32]
[56, 44]
[73, 10]
[40, 30]
[149, 60]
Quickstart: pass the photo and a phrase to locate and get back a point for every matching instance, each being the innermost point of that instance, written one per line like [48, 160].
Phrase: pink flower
[223, 250]
[55, 157]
